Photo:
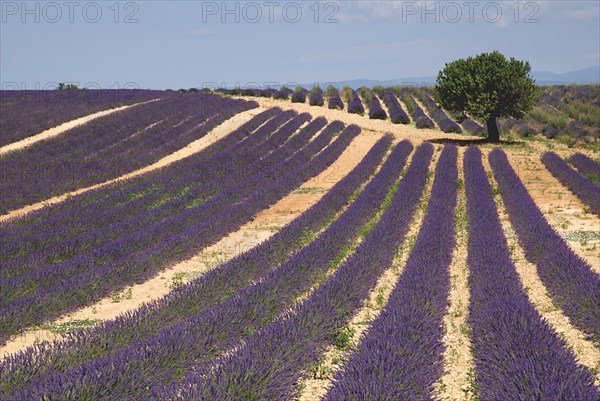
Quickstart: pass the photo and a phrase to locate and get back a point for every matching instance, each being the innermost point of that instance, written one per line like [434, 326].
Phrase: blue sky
[182, 44]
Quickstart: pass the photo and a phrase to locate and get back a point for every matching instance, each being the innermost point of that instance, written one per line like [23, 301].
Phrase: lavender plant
[577, 183]
[401, 355]
[517, 355]
[570, 281]
[210, 289]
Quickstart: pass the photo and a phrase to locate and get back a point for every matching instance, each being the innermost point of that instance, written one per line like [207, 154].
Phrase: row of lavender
[371, 98]
[571, 118]
[269, 365]
[441, 118]
[570, 281]
[278, 349]
[111, 146]
[213, 288]
[376, 112]
[169, 232]
[578, 183]
[586, 166]
[75, 234]
[517, 355]
[397, 113]
[123, 202]
[401, 355]
[117, 222]
[26, 113]
[416, 112]
[202, 337]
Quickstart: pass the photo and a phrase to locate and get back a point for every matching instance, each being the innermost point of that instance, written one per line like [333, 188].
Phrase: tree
[487, 86]
[63, 86]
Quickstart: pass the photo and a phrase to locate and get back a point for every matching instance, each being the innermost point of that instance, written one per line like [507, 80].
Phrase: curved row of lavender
[316, 97]
[335, 101]
[513, 124]
[376, 112]
[212, 288]
[397, 113]
[283, 93]
[585, 165]
[401, 356]
[80, 227]
[418, 115]
[168, 354]
[110, 146]
[577, 183]
[137, 256]
[141, 191]
[570, 281]
[473, 127]
[355, 106]
[269, 365]
[439, 116]
[155, 211]
[29, 112]
[21, 275]
[88, 247]
[517, 355]
[299, 96]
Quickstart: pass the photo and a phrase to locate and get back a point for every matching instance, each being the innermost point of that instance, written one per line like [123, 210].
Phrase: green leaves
[487, 86]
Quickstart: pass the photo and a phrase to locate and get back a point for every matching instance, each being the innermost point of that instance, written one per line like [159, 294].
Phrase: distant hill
[585, 76]
[589, 75]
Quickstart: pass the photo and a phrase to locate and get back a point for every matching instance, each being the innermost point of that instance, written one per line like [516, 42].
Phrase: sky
[183, 44]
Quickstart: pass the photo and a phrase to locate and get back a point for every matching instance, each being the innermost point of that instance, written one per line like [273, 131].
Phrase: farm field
[298, 245]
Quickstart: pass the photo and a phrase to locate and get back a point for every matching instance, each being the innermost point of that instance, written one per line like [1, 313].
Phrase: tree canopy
[487, 86]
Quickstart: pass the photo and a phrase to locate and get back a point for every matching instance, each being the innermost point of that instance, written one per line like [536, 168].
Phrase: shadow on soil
[470, 142]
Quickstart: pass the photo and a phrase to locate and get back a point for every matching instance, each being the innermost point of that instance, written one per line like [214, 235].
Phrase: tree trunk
[493, 132]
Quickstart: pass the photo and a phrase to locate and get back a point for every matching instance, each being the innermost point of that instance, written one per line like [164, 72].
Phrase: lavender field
[310, 244]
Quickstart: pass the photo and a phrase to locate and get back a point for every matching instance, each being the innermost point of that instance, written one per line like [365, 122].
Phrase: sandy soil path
[456, 382]
[55, 131]
[194, 147]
